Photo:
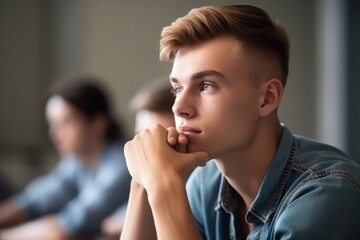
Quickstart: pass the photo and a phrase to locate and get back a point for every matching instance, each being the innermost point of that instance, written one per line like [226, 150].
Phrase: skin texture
[220, 114]
[71, 133]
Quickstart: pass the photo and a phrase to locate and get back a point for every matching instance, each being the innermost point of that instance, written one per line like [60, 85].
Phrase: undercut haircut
[252, 26]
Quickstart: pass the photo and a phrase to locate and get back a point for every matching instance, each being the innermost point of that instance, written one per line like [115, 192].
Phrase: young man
[230, 68]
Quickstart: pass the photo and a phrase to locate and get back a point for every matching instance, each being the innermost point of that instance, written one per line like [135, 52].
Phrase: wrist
[135, 185]
[138, 191]
[162, 189]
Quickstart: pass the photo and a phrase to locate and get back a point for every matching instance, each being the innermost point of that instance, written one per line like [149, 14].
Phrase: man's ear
[272, 90]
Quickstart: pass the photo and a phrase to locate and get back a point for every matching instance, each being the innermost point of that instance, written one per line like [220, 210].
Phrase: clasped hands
[157, 156]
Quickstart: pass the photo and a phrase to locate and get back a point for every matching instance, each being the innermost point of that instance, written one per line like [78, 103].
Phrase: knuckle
[156, 126]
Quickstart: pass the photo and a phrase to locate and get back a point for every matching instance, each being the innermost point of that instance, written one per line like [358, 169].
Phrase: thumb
[200, 158]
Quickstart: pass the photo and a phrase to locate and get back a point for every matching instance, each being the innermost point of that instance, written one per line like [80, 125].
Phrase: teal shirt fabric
[311, 191]
[80, 198]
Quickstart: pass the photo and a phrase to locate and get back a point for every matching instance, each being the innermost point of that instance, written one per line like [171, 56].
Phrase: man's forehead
[212, 57]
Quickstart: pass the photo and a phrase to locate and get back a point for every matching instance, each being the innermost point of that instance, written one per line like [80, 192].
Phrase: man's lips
[189, 130]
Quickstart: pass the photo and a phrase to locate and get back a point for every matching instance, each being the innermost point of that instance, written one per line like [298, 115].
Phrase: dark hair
[251, 25]
[155, 96]
[87, 96]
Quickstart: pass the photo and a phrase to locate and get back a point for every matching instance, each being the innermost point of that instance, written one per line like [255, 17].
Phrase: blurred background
[46, 41]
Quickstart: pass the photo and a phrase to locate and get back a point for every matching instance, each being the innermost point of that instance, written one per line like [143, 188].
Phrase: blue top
[79, 197]
[311, 191]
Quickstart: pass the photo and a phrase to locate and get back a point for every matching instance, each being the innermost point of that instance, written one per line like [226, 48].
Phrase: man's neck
[246, 168]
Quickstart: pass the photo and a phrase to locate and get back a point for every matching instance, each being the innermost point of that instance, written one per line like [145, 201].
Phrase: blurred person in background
[151, 104]
[90, 181]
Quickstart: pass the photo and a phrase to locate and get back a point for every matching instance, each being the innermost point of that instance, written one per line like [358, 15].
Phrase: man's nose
[184, 105]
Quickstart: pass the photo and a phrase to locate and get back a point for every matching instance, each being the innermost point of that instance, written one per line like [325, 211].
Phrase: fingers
[182, 141]
[152, 152]
[176, 139]
[172, 136]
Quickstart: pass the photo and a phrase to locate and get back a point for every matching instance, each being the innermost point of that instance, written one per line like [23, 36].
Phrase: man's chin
[191, 148]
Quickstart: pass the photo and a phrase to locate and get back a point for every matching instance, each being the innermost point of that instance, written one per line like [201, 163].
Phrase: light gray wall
[22, 88]
[20, 73]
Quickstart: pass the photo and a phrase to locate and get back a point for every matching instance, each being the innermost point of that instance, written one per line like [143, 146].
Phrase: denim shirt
[311, 191]
[80, 198]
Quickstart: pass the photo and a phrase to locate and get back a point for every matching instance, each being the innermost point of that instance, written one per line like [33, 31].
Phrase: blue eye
[176, 90]
[206, 86]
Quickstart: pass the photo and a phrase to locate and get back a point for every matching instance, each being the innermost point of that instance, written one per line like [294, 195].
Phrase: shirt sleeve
[101, 196]
[47, 194]
[324, 208]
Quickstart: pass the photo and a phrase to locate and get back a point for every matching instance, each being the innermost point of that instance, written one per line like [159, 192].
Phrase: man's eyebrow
[200, 75]
[172, 79]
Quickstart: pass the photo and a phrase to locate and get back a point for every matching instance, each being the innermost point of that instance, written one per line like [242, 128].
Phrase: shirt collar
[229, 199]
[271, 188]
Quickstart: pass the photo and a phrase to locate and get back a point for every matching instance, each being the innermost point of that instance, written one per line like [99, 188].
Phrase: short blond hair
[251, 25]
